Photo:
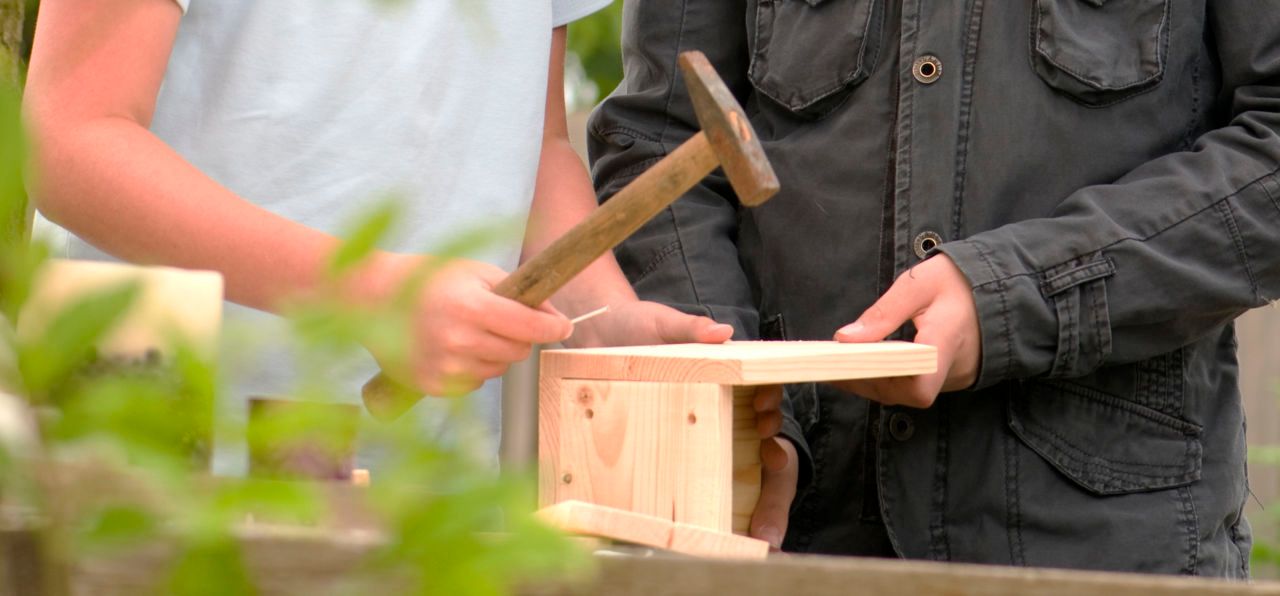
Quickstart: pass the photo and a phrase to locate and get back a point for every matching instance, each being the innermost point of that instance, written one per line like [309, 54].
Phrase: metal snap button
[925, 242]
[901, 426]
[927, 68]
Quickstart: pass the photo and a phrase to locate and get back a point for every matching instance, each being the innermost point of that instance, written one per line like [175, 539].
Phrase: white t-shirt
[316, 109]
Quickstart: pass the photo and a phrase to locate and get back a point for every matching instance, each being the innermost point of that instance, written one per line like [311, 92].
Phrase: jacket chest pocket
[807, 54]
[1100, 52]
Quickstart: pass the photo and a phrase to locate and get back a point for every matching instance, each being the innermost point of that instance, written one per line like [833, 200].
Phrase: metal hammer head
[730, 134]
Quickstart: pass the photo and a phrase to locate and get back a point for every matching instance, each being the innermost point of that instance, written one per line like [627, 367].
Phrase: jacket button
[901, 426]
[927, 69]
[924, 243]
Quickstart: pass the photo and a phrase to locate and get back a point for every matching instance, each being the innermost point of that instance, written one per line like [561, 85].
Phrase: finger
[773, 456]
[769, 423]
[675, 327]
[905, 299]
[515, 321]
[768, 397]
[777, 491]
[497, 349]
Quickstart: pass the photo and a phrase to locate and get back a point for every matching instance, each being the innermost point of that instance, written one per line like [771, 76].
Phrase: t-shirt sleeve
[183, 5]
[567, 11]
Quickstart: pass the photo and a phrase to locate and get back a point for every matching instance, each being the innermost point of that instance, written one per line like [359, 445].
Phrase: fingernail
[853, 328]
[771, 535]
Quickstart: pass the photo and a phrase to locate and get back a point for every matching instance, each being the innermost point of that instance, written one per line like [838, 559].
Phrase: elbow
[51, 157]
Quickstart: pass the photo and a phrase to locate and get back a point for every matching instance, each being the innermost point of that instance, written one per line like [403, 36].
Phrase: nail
[851, 329]
[772, 535]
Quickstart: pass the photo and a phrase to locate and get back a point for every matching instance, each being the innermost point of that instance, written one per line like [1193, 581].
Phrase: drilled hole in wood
[590, 414]
[567, 478]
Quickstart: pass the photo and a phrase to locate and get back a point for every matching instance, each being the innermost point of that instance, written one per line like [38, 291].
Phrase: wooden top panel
[743, 363]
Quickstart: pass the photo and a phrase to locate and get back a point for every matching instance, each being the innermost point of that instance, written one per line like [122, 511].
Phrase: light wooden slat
[595, 520]
[548, 439]
[704, 463]
[746, 459]
[701, 542]
[743, 363]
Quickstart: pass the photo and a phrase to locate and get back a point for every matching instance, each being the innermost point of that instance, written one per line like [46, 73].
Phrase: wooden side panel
[746, 459]
[619, 444]
[548, 439]
[704, 477]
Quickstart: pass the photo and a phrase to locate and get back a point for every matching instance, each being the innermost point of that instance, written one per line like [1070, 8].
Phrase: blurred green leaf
[71, 337]
[118, 525]
[597, 40]
[363, 240]
[210, 566]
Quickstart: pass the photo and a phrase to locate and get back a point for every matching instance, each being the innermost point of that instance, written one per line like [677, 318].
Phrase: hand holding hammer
[726, 140]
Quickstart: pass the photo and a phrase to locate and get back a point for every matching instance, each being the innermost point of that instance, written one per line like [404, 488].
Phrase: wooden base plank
[701, 542]
[577, 517]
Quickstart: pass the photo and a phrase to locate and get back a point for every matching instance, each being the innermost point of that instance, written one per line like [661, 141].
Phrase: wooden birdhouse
[657, 445]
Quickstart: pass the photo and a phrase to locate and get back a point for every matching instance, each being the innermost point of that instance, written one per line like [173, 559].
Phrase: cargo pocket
[1103, 443]
[807, 54]
[1100, 52]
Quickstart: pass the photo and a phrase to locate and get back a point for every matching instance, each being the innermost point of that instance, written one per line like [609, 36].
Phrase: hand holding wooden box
[657, 445]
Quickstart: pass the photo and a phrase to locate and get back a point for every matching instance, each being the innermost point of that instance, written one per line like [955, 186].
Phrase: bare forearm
[113, 183]
[563, 198]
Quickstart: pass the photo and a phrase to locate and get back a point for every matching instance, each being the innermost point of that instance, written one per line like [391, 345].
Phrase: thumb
[777, 490]
[675, 327]
[897, 306]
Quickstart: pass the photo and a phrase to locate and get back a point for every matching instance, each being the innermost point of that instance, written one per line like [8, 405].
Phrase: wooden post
[11, 20]
[16, 212]
[658, 445]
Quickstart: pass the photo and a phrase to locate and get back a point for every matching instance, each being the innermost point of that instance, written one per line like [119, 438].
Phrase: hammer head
[728, 131]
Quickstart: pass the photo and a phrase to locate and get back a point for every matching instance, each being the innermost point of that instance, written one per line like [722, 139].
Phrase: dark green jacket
[1104, 172]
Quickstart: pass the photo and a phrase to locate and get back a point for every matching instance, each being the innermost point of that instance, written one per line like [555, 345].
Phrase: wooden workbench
[310, 562]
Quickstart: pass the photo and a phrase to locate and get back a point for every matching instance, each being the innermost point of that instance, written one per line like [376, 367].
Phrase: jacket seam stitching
[1124, 239]
[1160, 418]
[972, 32]
[1242, 252]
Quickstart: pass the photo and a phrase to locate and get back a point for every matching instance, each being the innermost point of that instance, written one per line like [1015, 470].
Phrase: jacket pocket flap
[1105, 444]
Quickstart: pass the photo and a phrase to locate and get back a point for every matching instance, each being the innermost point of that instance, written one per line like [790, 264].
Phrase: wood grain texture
[590, 519]
[704, 462]
[743, 363]
[700, 542]
[548, 440]
[746, 459]
[620, 444]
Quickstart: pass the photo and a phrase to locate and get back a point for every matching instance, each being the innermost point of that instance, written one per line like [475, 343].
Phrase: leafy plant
[122, 445]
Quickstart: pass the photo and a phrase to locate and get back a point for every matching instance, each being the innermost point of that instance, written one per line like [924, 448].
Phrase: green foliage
[133, 438]
[596, 41]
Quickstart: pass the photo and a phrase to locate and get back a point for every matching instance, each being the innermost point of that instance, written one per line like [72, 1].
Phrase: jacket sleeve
[1167, 254]
[686, 256]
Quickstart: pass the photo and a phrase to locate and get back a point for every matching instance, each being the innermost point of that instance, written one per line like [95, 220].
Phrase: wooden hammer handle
[540, 277]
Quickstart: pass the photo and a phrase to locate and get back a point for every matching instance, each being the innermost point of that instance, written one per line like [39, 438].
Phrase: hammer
[727, 140]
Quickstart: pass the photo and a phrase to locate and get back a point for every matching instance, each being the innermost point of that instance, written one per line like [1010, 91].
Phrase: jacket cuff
[1017, 330]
